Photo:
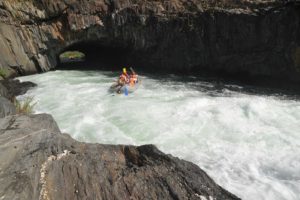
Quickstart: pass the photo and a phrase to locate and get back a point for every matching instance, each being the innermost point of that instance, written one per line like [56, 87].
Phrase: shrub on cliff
[3, 73]
[25, 106]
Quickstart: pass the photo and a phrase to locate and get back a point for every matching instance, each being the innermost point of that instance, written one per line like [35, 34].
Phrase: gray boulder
[37, 161]
[15, 87]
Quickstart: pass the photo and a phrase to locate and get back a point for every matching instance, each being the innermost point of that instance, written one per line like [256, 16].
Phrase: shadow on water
[216, 86]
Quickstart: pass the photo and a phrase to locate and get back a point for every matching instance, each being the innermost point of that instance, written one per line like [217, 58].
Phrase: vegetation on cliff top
[72, 55]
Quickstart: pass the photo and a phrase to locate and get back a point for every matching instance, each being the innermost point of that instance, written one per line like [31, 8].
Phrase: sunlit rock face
[256, 38]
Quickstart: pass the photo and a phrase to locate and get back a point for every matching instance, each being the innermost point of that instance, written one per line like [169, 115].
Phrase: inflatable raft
[127, 88]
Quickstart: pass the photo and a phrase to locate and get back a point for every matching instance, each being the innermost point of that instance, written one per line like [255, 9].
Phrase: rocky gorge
[251, 38]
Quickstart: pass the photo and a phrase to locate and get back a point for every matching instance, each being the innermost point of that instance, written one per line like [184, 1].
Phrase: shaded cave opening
[94, 56]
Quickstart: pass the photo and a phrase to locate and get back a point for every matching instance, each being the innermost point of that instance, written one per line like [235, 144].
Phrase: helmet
[124, 70]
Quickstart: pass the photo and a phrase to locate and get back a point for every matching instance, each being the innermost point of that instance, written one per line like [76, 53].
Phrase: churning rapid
[248, 143]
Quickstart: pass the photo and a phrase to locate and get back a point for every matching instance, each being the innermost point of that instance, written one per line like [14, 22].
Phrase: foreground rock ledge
[39, 162]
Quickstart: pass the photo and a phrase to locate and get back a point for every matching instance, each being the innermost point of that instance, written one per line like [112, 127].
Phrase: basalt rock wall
[258, 38]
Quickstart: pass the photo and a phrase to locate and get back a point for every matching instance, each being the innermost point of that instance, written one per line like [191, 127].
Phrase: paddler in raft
[125, 78]
[133, 78]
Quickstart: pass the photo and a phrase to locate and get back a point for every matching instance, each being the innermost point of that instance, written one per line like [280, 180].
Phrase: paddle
[126, 91]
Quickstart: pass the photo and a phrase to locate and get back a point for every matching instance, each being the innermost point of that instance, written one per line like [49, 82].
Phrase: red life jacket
[124, 77]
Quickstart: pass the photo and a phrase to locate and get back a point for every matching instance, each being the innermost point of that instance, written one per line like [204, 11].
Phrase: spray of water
[249, 144]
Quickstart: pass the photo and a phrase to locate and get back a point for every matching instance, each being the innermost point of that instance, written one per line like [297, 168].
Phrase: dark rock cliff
[39, 162]
[253, 37]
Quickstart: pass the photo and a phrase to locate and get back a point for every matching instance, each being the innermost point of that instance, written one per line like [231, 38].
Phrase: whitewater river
[248, 143]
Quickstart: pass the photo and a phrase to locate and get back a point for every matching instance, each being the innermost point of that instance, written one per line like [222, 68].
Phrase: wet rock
[39, 162]
[15, 87]
[234, 37]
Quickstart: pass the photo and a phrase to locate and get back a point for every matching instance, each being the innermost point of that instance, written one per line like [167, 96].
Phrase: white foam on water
[249, 144]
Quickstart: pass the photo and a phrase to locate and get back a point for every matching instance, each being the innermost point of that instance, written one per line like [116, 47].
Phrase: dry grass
[25, 106]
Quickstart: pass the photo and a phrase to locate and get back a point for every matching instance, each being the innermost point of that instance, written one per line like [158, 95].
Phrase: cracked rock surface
[39, 162]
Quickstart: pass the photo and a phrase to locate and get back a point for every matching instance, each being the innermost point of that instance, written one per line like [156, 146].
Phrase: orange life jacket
[133, 79]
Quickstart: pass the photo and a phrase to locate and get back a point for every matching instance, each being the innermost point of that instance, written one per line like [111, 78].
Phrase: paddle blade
[126, 91]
